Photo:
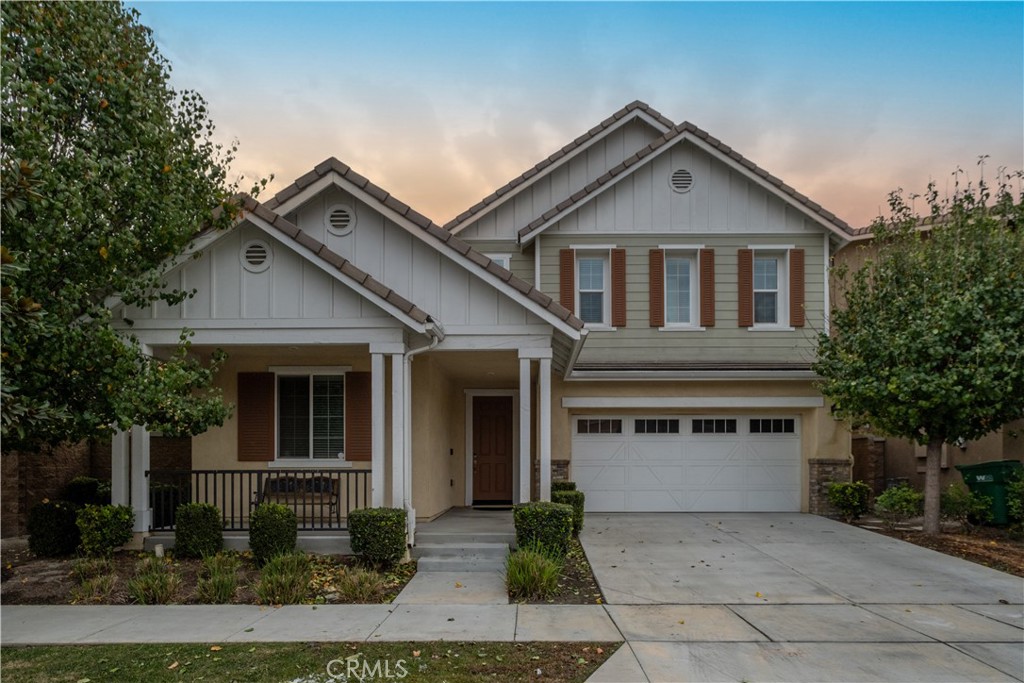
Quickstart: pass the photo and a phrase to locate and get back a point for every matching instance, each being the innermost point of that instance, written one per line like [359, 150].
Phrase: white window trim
[604, 252]
[781, 253]
[308, 462]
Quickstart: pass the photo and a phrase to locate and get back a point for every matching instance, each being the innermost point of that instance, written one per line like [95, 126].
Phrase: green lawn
[305, 662]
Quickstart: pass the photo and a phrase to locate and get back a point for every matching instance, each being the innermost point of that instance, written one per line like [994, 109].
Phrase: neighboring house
[637, 313]
[882, 461]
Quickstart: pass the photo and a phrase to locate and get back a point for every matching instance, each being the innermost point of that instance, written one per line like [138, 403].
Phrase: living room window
[310, 415]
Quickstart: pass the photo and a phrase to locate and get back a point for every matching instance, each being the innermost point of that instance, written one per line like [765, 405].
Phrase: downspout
[436, 334]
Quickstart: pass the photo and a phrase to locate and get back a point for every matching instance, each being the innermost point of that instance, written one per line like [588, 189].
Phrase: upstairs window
[766, 290]
[680, 288]
[592, 276]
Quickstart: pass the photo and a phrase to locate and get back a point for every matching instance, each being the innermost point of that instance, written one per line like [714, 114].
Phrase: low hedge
[86, 491]
[563, 486]
[104, 528]
[198, 531]
[851, 500]
[53, 528]
[575, 500]
[273, 531]
[378, 534]
[548, 525]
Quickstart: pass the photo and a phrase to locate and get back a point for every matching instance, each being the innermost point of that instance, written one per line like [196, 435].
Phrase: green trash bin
[990, 479]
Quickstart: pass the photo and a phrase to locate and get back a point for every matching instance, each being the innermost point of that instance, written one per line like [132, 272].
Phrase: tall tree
[929, 345]
[107, 173]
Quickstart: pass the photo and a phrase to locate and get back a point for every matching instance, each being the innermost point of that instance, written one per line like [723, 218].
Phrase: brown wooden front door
[492, 449]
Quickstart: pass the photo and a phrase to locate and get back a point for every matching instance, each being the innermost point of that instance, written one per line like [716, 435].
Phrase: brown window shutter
[567, 279]
[796, 287]
[707, 287]
[618, 287]
[358, 416]
[656, 295]
[255, 416]
[745, 282]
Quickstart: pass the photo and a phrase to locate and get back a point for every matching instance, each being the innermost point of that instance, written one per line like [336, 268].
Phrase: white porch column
[524, 430]
[377, 429]
[397, 430]
[120, 460]
[544, 408]
[140, 482]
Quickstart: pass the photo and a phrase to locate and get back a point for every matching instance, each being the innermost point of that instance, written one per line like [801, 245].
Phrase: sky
[441, 103]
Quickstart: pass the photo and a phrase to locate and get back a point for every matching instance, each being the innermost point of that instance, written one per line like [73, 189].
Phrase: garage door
[688, 463]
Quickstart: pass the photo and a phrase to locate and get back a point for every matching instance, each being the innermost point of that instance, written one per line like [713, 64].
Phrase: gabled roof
[684, 130]
[460, 250]
[372, 288]
[631, 110]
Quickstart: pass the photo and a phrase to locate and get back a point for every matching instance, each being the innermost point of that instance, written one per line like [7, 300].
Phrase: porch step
[464, 538]
[446, 557]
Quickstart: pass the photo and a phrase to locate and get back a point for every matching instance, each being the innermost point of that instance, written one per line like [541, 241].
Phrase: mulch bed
[992, 547]
[577, 585]
[31, 580]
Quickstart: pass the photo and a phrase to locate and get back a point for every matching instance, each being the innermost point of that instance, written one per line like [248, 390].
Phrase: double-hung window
[592, 279]
[680, 288]
[310, 414]
[766, 290]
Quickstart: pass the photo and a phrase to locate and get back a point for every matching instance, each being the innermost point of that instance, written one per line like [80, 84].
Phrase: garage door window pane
[714, 426]
[656, 426]
[598, 426]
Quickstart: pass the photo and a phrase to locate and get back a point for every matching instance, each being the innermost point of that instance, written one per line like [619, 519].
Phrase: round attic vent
[681, 180]
[256, 256]
[341, 219]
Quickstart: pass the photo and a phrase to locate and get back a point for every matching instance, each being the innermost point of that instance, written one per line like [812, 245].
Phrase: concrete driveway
[792, 597]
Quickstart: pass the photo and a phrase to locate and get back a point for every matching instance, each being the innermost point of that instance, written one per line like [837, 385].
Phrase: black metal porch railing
[321, 498]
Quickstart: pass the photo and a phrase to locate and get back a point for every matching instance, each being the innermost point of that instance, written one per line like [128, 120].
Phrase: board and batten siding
[521, 260]
[720, 200]
[290, 288]
[726, 341]
[415, 270]
[548, 190]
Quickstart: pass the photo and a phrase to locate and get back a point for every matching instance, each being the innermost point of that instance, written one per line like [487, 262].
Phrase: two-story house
[637, 312]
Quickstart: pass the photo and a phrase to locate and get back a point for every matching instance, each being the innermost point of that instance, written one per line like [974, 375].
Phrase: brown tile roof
[332, 165]
[346, 267]
[683, 128]
[560, 154]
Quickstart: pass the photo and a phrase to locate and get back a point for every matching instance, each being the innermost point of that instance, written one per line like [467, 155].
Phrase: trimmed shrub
[273, 530]
[546, 524]
[898, 504]
[104, 528]
[284, 580]
[154, 582]
[575, 500]
[851, 500]
[532, 572]
[966, 507]
[378, 534]
[218, 581]
[563, 486]
[198, 531]
[83, 491]
[52, 528]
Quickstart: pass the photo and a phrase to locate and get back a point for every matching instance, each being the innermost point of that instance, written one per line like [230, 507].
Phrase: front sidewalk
[93, 624]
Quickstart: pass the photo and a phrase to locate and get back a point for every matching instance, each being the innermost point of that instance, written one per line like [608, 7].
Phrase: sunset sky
[442, 103]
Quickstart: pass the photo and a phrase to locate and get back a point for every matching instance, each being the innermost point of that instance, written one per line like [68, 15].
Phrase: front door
[492, 450]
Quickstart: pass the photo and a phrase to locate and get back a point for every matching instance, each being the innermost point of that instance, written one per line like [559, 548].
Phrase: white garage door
[683, 463]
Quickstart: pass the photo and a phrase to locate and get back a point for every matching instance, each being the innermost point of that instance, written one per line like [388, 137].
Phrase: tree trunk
[932, 492]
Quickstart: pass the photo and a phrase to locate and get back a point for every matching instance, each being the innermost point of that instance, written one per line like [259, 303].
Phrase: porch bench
[316, 495]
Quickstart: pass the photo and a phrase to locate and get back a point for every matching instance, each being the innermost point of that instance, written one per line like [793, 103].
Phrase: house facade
[636, 313]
